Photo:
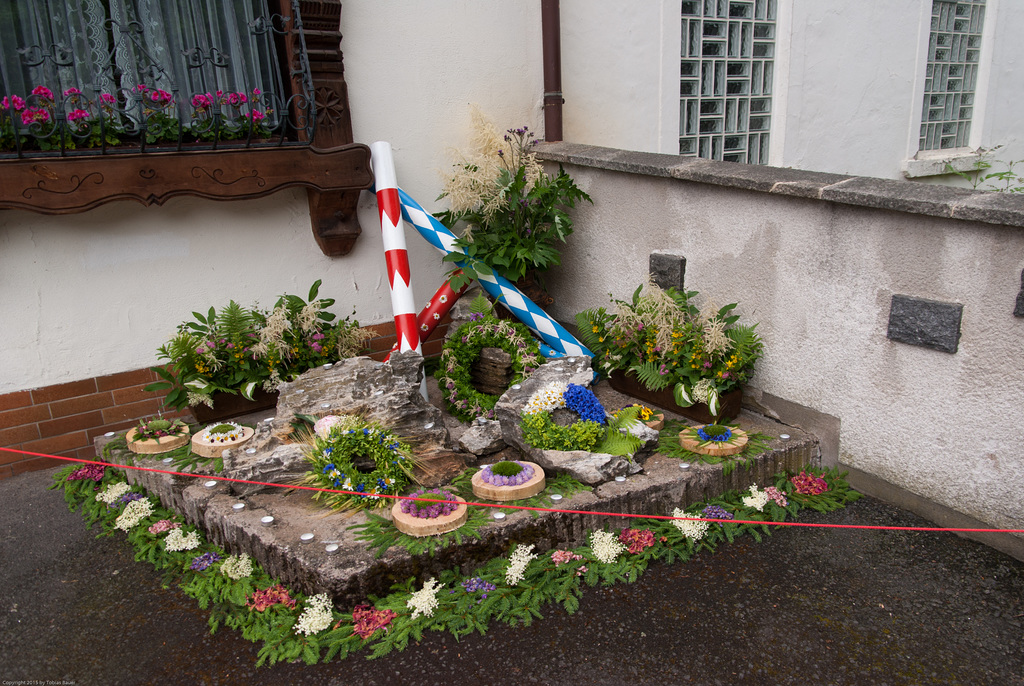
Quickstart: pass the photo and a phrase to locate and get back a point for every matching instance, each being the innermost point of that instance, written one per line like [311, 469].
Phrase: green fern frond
[481, 305]
[649, 375]
[745, 339]
[234, 320]
[618, 440]
[585, 323]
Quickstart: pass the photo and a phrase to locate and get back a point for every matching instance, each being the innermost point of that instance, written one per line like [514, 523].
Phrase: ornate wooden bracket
[332, 215]
[75, 184]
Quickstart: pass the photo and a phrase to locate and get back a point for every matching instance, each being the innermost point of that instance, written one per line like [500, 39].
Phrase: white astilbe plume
[690, 528]
[237, 566]
[309, 316]
[134, 512]
[112, 492]
[424, 601]
[757, 499]
[272, 333]
[517, 563]
[316, 617]
[606, 546]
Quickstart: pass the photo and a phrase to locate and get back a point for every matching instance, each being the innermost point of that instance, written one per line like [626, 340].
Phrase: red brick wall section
[64, 419]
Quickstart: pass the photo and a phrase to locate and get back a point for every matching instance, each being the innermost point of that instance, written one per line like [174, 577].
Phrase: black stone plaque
[667, 270]
[928, 323]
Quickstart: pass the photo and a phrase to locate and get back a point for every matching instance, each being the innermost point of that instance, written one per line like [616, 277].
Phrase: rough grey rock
[668, 270]
[385, 392]
[589, 468]
[284, 464]
[483, 438]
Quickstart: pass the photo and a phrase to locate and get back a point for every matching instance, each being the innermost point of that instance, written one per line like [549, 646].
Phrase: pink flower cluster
[636, 539]
[277, 594]
[808, 484]
[561, 557]
[90, 471]
[368, 620]
[164, 525]
[778, 496]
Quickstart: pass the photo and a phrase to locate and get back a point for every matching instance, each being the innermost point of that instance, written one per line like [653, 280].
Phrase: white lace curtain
[184, 47]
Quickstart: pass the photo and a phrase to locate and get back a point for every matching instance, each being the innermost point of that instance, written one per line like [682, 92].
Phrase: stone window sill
[933, 162]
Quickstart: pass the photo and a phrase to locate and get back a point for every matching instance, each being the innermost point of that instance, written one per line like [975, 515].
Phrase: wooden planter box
[227, 405]
[623, 382]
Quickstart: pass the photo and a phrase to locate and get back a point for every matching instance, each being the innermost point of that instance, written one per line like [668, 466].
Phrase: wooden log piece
[689, 439]
[416, 526]
[535, 485]
[205, 448]
[155, 446]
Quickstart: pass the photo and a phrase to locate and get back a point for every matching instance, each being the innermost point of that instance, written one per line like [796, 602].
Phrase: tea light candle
[499, 515]
[620, 478]
[684, 465]
[306, 538]
[555, 497]
[516, 387]
[268, 420]
[266, 521]
[325, 405]
[784, 437]
[331, 548]
[238, 507]
[168, 460]
[109, 434]
[428, 425]
[250, 451]
[300, 390]
[328, 366]
[210, 484]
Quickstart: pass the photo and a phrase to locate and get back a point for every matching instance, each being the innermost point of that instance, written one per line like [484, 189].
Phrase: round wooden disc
[155, 446]
[416, 526]
[535, 485]
[657, 422]
[205, 448]
[689, 439]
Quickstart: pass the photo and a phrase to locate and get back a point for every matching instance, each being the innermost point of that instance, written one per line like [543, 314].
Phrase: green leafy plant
[239, 349]
[514, 212]
[982, 179]
[666, 341]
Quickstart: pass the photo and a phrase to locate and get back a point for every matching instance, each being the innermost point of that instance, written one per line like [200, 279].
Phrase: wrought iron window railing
[102, 77]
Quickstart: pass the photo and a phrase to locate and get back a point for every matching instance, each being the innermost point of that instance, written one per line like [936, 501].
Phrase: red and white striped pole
[395, 254]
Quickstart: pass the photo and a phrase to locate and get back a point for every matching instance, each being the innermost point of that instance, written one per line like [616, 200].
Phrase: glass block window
[952, 72]
[725, 79]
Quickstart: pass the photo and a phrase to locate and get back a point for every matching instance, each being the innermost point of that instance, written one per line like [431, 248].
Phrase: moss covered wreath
[338, 442]
[463, 349]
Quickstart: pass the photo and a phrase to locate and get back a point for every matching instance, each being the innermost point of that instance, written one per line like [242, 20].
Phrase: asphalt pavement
[806, 606]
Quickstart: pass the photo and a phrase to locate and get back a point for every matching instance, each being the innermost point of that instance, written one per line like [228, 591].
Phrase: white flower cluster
[317, 616]
[517, 563]
[134, 512]
[236, 566]
[690, 528]
[112, 492]
[177, 541]
[606, 546]
[757, 499]
[546, 399]
[424, 601]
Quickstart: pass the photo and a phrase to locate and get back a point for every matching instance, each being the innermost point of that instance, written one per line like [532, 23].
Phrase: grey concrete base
[353, 573]
[942, 516]
[824, 426]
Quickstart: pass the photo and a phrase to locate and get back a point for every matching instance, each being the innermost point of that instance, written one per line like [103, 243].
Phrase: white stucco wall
[96, 293]
[818, 278]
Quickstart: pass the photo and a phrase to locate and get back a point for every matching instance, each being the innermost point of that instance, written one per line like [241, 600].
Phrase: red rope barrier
[517, 507]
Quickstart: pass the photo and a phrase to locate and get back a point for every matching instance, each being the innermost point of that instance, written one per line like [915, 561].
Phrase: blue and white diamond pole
[559, 341]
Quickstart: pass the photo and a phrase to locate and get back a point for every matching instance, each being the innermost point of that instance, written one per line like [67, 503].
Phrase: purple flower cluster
[89, 471]
[715, 512]
[498, 480]
[203, 561]
[424, 510]
[129, 497]
[583, 402]
[477, 584]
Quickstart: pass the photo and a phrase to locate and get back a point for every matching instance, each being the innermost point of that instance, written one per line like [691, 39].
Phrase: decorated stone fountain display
[157, 436]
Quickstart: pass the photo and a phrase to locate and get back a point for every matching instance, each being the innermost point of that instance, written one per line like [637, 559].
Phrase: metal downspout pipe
[552, 44]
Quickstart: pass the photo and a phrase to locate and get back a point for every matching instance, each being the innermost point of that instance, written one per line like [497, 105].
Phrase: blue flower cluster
[716, 512]
[203, 561]
[717, 439]
[129, 497]
[477, 584]
[583, 402]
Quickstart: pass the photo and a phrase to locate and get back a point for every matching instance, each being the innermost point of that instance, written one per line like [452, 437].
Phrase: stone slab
[928, 323]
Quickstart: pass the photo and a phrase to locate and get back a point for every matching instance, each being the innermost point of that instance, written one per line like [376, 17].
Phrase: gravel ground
[806, 606]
